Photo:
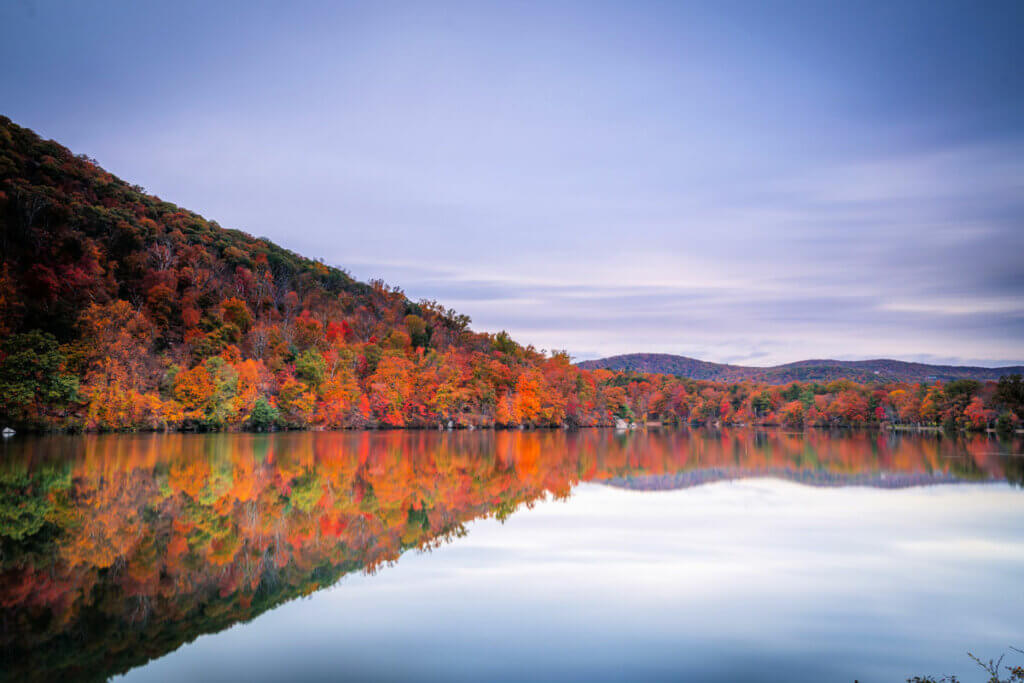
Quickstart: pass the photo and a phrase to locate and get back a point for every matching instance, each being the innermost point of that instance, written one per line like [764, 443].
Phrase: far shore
[630, 427]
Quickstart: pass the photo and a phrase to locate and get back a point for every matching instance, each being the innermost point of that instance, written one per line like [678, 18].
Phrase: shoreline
[882, 427]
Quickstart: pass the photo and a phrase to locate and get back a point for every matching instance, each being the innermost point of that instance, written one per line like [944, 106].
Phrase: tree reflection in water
[115, 550]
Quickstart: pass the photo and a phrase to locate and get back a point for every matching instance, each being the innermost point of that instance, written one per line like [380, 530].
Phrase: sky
[746, 182]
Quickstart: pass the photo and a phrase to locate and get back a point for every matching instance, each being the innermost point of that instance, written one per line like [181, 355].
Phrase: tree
[113, 356]
[793, 413]
[1010, 393]
[527, 397]
[264, 416]
[296, 402]
[391, 386]
[976, 415]
[236, 312]
[503, 343]
[32, 380]
[339, 392]
[310, 367]
[1006, 422]
[933, 403]
[207, 393]
[761, 404]
[419, 333]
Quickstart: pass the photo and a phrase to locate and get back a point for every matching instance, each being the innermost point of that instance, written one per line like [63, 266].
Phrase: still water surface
[673, 555]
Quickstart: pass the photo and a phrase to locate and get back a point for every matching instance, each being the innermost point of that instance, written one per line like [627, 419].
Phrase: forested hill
[121, 311]
[825, 370]
[128, 311]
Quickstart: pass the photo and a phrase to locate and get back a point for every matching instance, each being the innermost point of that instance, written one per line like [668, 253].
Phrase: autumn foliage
[120, 311]
[116, 549]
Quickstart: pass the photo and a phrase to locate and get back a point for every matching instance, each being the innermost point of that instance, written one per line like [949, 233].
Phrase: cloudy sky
[749, 182]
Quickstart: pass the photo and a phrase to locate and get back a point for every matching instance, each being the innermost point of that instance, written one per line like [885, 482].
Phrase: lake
[705, 555]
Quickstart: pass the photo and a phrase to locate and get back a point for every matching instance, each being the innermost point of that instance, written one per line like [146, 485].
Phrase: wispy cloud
[739, 183]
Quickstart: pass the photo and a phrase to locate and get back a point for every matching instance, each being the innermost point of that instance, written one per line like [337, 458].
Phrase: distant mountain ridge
[807, 477]
[882, 369]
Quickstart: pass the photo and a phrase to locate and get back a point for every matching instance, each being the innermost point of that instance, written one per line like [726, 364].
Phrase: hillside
[823, 370]
[121, 311]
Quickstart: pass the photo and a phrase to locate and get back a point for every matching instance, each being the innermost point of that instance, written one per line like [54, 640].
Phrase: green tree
[310, 367]
[962, 389]
[25, 500]
[1010, 393]
[503, 342]
[762, 404]
[32, 380]
[264, 415]
[419, 333]
[1005, 423]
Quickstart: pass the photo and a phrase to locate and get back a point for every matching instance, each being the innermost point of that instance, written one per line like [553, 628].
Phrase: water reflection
[118, 549]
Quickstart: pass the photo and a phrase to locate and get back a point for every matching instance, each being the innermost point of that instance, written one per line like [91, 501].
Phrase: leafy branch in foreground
[991, 667]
